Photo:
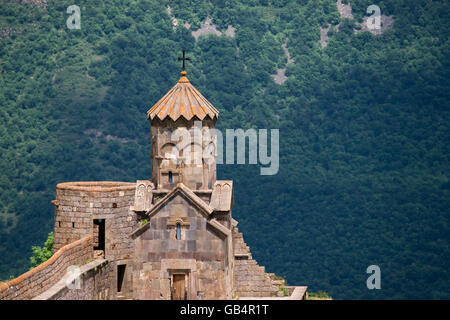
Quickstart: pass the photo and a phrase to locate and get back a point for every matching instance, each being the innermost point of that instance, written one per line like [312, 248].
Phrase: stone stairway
[250, 279]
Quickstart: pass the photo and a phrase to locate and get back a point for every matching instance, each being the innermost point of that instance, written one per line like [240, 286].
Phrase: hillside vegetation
[364, 127]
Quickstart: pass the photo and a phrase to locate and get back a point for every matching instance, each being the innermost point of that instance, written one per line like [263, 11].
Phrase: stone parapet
[93, 282]
[42, 277]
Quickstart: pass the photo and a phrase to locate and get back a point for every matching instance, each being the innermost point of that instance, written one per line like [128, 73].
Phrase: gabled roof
[222, 195]
[183, 100]
[180, 188]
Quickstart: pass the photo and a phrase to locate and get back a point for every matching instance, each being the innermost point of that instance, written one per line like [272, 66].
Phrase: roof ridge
[197, 201]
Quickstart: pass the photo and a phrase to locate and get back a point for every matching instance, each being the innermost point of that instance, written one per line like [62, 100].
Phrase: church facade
[171, 237]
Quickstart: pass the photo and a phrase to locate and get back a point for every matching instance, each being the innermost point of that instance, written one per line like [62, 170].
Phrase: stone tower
[183, 138]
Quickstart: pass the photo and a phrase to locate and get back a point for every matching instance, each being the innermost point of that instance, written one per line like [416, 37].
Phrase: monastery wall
[92, 283]
[200, 255]
[78, 204]
[250, 279]
[39, 279]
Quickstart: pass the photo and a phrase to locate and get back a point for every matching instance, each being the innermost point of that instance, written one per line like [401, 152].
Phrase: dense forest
[364, 126]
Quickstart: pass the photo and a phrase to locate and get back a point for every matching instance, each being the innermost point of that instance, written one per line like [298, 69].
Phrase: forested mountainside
[363, 120]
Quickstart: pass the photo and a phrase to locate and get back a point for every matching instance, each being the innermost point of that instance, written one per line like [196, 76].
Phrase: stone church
[171, 237]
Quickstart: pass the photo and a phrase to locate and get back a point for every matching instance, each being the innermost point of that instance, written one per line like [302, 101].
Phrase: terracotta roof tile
[183, 100]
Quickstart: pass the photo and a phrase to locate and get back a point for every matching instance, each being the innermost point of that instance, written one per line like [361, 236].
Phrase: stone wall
[93, 283]
[77, 204]
[197, 175]
[39, 279]
[250, 279]
[200, 254]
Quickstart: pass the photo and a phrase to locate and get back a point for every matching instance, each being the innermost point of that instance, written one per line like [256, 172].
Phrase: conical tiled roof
[183, 100]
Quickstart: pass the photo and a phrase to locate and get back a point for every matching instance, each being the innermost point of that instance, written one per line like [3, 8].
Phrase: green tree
[41, 255]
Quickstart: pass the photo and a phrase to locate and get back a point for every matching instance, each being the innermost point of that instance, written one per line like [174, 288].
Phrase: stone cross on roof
[184, 59]
[183, 100]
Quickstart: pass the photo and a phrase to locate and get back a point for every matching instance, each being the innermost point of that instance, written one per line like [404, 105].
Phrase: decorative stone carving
[183, 221]
[222, 196]
[143, 196]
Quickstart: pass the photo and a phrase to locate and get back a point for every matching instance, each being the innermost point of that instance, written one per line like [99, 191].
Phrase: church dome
[183, 100]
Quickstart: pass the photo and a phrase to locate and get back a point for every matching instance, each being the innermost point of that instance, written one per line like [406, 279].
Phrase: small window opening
[73, 224]
[170, 177]
[120, 276]
[101, 234]
[178, 231]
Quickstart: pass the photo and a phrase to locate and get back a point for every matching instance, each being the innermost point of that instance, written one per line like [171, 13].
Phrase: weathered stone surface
[222, 196]
[250, 280]
[187, 161]
[199, 254]
[144, 196]
[92, 283]
[39, 279]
